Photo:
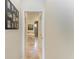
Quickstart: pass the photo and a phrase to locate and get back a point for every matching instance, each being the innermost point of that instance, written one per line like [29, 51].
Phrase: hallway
[33, 41]
[39, 29]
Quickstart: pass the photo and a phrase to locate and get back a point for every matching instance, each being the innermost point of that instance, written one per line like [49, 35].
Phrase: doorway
[33, 40]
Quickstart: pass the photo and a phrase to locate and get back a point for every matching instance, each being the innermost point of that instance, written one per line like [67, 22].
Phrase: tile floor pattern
[32, 49]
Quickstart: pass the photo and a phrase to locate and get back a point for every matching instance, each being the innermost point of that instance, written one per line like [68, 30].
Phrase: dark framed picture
[30, 26]
[11, 16]
[8, 4]
[9, 23]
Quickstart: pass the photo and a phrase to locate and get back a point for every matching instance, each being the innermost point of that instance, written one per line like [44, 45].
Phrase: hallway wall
[32, 5]
[12, 40]
[59, 25]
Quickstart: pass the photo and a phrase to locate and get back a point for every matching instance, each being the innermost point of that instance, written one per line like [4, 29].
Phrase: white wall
[32, 5]
[59, 31]
[12, 40]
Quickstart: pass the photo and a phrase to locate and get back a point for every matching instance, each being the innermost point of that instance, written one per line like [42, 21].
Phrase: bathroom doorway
[34, 35]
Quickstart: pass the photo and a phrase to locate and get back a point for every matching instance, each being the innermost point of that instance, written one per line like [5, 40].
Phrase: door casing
[43, 33]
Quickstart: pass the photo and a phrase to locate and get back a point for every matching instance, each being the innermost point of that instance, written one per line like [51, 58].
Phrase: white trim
[43, 31]
[43, 37]
[23, 24]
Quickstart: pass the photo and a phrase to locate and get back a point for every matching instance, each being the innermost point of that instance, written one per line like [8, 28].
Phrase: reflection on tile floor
[32, 49]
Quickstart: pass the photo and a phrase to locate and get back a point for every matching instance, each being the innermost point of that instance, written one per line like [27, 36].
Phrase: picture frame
[30, 26]
[11, 16]
[8, 4]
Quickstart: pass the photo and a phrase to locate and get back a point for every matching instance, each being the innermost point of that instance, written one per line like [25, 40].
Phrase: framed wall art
[30, 26]
[11, 16]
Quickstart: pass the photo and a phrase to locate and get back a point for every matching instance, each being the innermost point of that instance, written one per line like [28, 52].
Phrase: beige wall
[12, 40]
[59, 29]
[12, 44]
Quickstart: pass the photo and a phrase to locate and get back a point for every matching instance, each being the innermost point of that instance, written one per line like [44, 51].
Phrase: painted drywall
[12, 40]
[32, 5]
[59, 29]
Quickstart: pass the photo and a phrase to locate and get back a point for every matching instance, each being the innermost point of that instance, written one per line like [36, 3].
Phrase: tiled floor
[32, 49]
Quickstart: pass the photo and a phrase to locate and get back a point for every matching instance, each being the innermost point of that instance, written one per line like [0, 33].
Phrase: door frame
[43, 32]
